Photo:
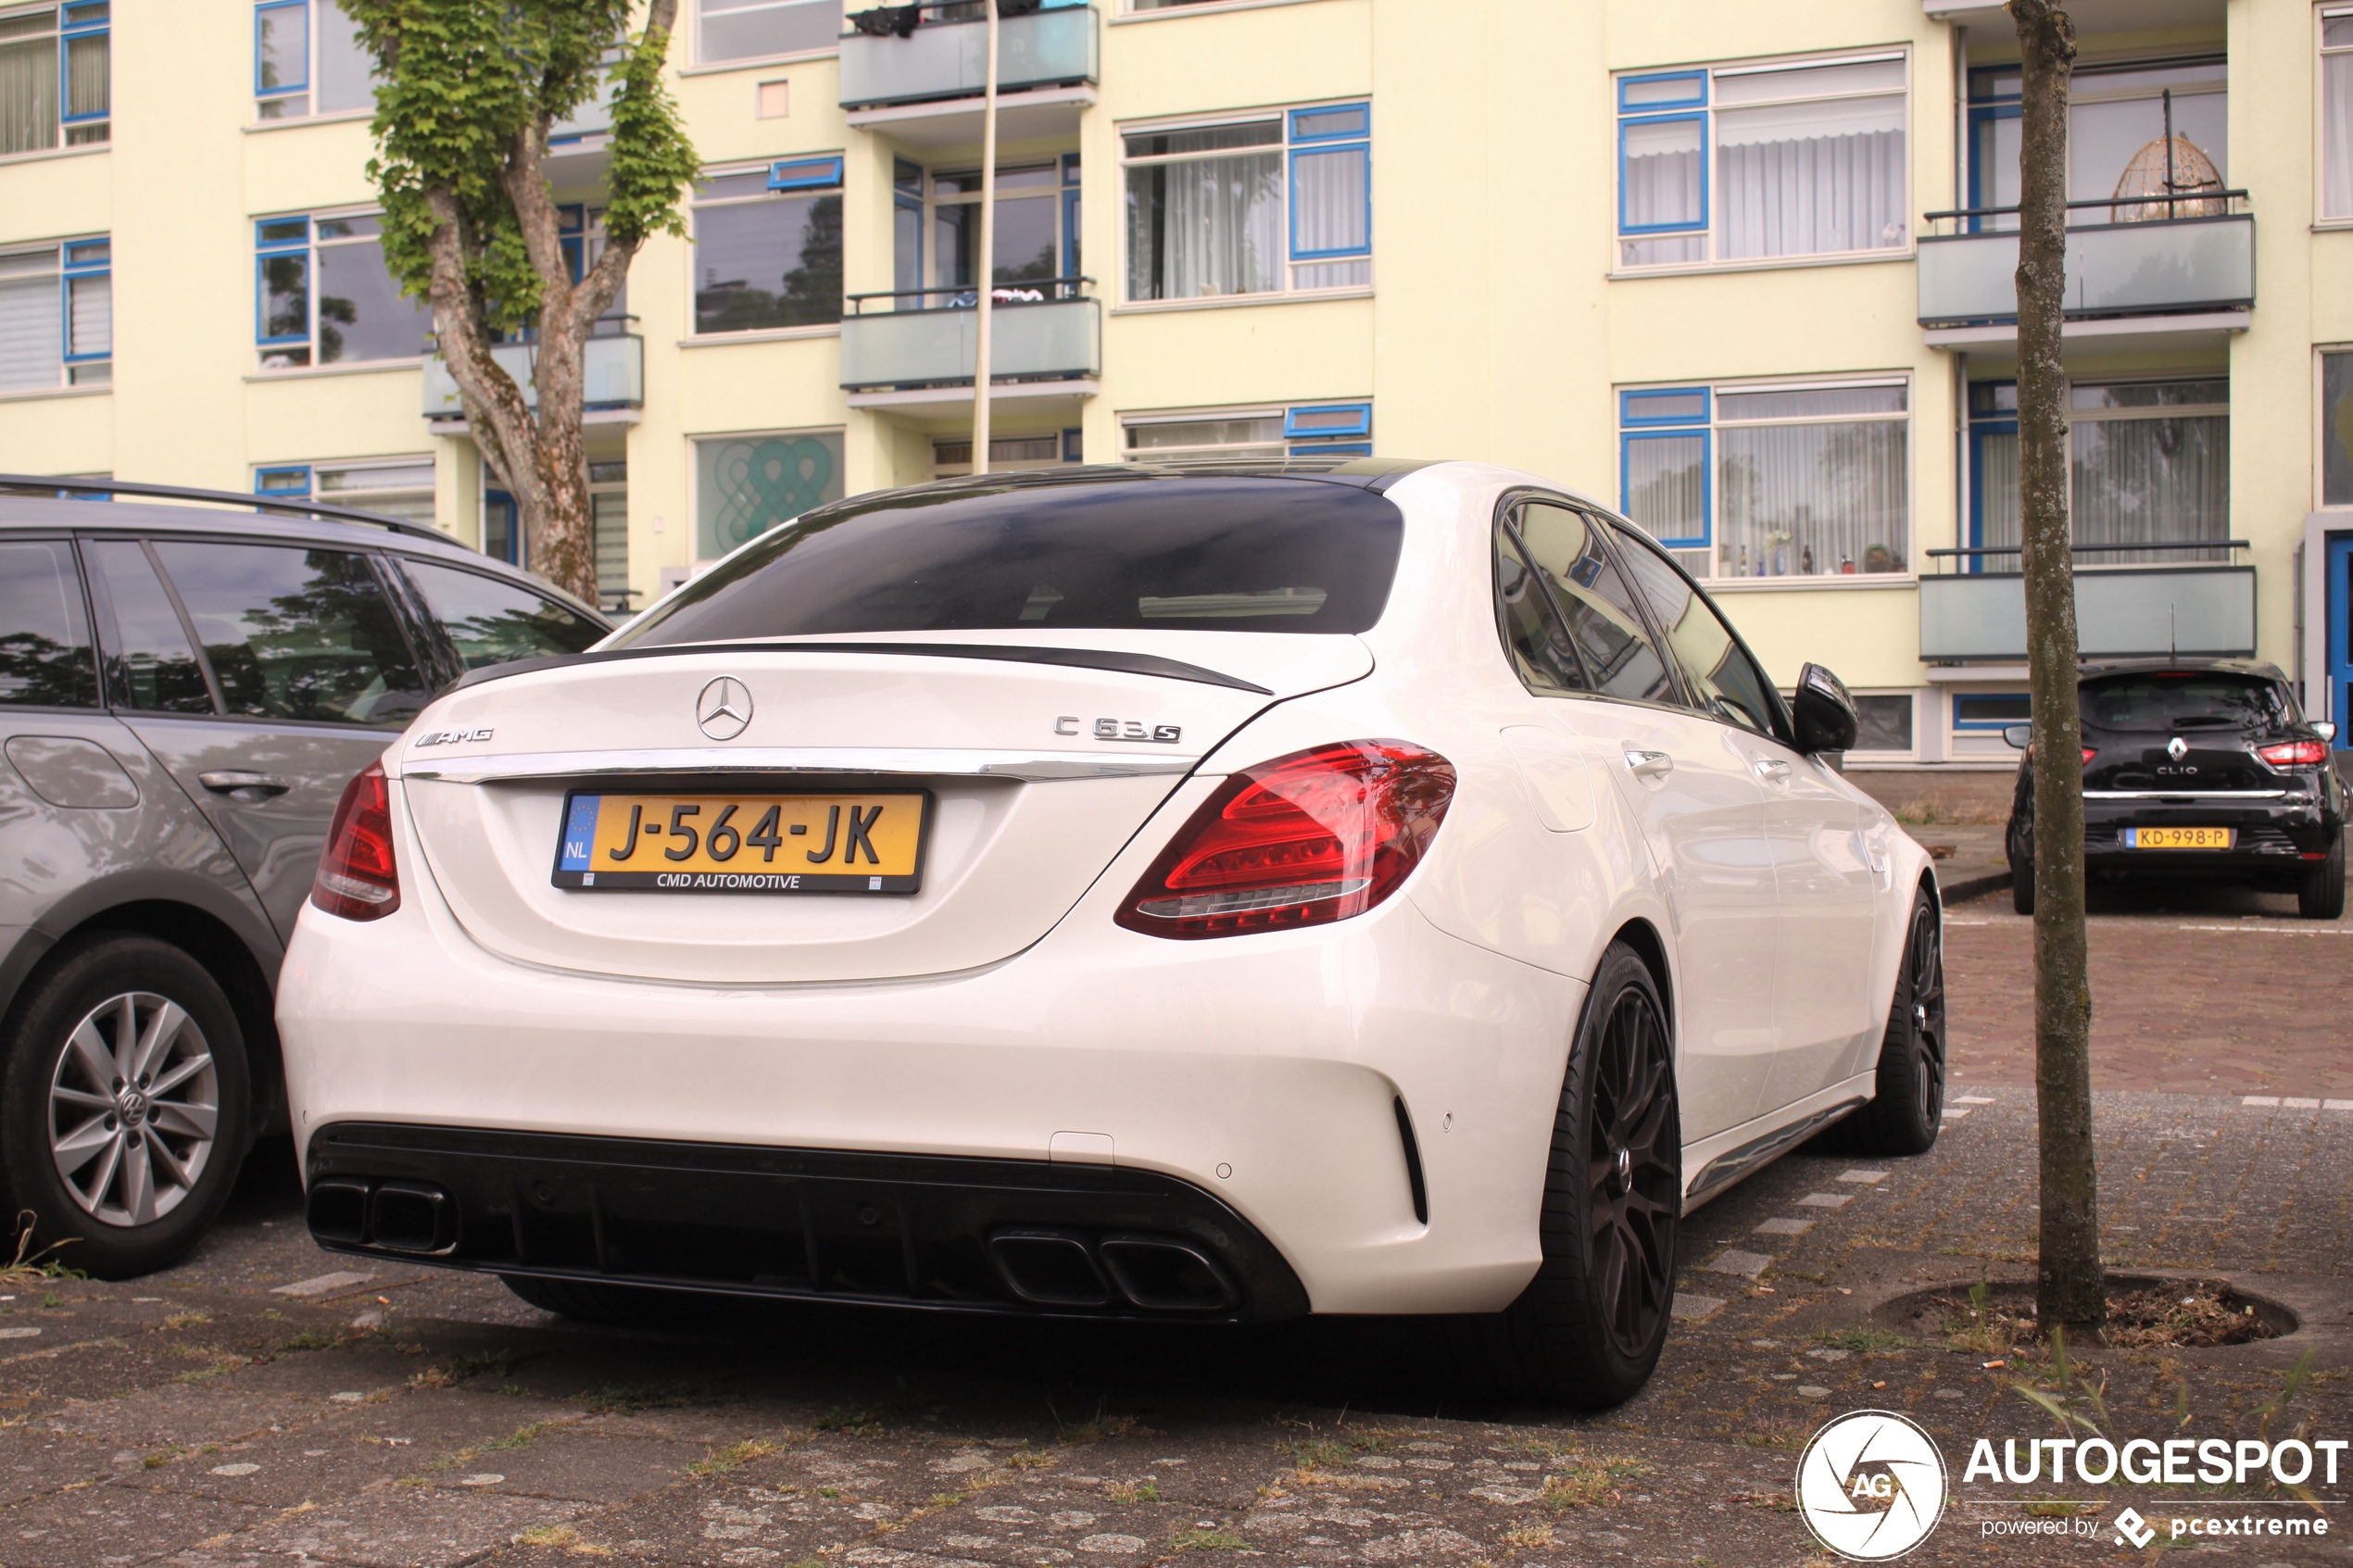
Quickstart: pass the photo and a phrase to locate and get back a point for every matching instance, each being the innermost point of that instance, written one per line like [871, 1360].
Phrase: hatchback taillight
[357, 878]
[1309, 838]
[2295, 752]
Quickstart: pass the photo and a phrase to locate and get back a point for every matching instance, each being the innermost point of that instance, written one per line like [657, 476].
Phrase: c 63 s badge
[1123, 729]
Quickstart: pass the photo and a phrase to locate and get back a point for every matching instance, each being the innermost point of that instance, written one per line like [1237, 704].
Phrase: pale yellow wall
[1493, 330]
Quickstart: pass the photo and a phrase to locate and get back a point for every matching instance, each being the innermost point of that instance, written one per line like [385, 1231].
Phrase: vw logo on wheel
[1871, 1485]
[724, 708]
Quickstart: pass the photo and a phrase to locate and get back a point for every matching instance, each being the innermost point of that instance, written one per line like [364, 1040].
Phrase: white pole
[985, 266]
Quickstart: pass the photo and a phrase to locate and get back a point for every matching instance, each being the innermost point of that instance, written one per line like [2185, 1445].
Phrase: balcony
[927, 85]
[912, 351]
[2120, 611]
[2153, 278]
[613, 375]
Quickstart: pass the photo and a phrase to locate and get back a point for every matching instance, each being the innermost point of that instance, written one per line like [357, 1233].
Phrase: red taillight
[2295, 752]
[1315, 837]
[357, 878]
[2090, 752]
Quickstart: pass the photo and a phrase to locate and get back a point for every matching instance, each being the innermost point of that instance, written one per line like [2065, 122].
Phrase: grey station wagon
[184, 694]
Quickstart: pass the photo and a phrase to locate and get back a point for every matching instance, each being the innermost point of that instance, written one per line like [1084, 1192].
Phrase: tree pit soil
[2143, 1313]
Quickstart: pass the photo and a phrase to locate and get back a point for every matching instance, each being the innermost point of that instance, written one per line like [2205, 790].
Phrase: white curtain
[1661, 173]
[2150, 479]
[1811, 499]
[1206, 226]
[2336, 135]
[1997, 496]
[1810, 179]
[29, 95]
[1666, 484]
[29, 333]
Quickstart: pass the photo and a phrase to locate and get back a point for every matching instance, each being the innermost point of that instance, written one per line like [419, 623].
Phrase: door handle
[1648, 764]
[232, 782]
[1772, 770]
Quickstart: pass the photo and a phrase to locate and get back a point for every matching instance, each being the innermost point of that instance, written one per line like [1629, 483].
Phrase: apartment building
[1743, 270]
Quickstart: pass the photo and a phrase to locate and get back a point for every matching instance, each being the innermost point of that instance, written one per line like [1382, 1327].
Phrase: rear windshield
[1189, 553]
[2189, 700]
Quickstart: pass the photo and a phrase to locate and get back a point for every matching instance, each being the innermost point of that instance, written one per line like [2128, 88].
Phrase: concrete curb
[1965, 888]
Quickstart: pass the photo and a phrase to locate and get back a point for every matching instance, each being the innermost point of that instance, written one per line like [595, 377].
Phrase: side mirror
[1826, 720]
[2021, 736]
[2325, 729]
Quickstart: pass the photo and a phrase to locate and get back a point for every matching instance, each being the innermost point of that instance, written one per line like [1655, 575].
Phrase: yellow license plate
[2177, 838]
[730, 843]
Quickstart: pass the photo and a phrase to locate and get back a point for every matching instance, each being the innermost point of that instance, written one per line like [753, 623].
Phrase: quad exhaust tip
[1159, 1273]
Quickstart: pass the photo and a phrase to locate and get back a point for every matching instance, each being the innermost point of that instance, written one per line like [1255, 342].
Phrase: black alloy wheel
[1909, 1109]
[1588, 1328]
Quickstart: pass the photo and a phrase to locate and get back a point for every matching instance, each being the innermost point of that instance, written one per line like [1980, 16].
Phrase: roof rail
[67, 485]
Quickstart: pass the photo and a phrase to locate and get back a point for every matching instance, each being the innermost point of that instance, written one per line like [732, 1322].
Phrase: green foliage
[468, 91]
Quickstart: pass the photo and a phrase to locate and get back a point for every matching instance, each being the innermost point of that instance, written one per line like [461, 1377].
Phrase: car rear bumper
[2268, 842]
[1005, 1236]
[1259, 1078]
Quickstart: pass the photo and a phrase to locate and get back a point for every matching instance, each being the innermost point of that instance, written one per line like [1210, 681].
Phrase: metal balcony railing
[2140, 610]
[2131, 256]
[613, 371]
[1041, 331]
[944, 53]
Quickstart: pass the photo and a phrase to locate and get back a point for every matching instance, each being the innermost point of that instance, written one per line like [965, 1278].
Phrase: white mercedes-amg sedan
[1215, 895]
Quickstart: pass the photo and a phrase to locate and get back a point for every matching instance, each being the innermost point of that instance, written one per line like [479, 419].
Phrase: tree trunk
[2072, 1287]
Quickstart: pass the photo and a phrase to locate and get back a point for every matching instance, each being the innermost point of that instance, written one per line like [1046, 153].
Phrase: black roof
[2257, 669]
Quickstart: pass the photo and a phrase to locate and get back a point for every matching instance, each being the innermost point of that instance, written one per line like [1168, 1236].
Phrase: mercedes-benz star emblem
[724, 708]
[2177, 748]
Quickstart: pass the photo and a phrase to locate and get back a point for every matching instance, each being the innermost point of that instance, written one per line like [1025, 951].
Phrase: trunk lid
[1040, 762]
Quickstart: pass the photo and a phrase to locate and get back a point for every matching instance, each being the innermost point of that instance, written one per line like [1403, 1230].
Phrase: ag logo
[1871, 1485]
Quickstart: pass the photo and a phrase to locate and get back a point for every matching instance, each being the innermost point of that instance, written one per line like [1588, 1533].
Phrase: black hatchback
[2197, 768]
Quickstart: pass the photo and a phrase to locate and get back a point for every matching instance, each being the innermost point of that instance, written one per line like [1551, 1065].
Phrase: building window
[1262, 435]
[608, 531]
[57, 316]
[747, 485]
[1989, 711]
[1269, 204]
[1884, 723]
[323, 295]
[395, 486]
[953, 456]
[2134, 129]
[307, 60]
[756, 29]
[1740, 163]
[936, 231]
[2336, 429]
[54, 76]
[2337, 113]
[1809, 480]
[768, 247]
[2148, 463]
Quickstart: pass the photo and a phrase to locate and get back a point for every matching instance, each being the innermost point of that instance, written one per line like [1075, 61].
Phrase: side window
[1532, 634]
[1723, 681]
[151, 665]
[295, 634]
[44, 642]
[490, 622]
[1603, 624]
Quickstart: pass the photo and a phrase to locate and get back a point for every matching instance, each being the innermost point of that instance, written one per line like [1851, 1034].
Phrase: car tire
[1907, 1107]
[1587, 1330]
[592, 1301]
[2022, 887]
[2319, 891]
[125, 1053]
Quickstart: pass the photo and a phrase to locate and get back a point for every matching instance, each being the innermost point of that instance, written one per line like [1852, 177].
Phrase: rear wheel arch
[1644, 940]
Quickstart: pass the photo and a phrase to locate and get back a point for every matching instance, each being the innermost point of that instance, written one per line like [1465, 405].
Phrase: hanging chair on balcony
[2174, 168]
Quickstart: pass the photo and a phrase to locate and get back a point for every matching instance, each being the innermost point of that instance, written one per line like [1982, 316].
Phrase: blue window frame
[84, 71]
[281, 50]
[1310, 420]
[1662, 90]
[1632, 126]
[1666, 406]
[292, 480]
[1993, 417]
[804, 174]
[1331, 182]
[282, 284]
[86, 290]
[1695, 448]
[1074, 445]
[1071, 269]
[1991, 711]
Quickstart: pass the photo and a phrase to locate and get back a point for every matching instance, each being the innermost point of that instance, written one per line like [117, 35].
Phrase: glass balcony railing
[2126, 258]
[932, 339]
[946, 55]
[2120, 611]
[612, 372]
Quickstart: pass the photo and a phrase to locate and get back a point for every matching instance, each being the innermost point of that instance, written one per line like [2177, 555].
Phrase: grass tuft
[1127, 1493]
[733, 1458]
